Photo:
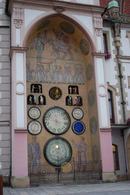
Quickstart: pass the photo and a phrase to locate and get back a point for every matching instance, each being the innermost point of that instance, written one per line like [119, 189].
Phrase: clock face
[77, 113]
[34, 127]
[57, 151]
[78, 127]
[56, 120]
[34, 113]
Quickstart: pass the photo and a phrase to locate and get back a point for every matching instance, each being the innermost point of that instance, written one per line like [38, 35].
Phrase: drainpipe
[121, 85]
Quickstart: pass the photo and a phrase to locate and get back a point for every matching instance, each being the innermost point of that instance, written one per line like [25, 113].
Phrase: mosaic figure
[30, 99]
[39, 44]
[69, 100]
[89, 72]
[61, 44]
[81, 154]
[35, 155]
[28, 72]
[69, 78]
[48, 77]
[41, 100]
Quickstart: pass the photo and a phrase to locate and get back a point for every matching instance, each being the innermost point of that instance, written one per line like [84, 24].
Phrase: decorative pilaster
[98, 32]
[19, 118]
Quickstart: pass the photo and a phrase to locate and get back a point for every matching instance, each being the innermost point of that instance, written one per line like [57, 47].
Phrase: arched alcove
[59, 56]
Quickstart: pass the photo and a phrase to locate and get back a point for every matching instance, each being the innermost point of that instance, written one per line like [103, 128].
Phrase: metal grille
[69, 172]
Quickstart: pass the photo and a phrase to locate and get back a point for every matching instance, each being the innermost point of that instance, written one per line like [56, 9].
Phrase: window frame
[115, 157]
[110, 100]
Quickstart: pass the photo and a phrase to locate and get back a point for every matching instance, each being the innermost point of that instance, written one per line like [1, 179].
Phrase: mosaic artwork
[67, 27]
[91, 98]
[81, 154]
[53, 58]
[93, 125]
[84, 46]
[35, 155]
[89, 72]
[95, 153]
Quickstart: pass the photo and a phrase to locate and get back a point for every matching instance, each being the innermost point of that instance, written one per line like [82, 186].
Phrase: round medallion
[78, 127]
[84, 46]
[34, 127]
[93, 125]
[67, 27]
[91, 98]
[34, 113]
[57, 151]
[55, 93]
[56, 120]
[77, 113]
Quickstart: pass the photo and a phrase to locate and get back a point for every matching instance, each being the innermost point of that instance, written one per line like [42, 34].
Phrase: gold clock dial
[56, 120]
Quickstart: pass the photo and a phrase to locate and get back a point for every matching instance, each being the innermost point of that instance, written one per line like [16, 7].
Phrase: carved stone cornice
[98, 26]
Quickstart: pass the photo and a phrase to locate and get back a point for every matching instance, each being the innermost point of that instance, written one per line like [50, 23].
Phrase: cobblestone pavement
[118, 188]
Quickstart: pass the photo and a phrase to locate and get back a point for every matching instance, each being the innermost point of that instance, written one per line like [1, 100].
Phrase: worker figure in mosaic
[35, 155]
[81, 154]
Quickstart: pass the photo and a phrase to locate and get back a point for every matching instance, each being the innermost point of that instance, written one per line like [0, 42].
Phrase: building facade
[69, 86]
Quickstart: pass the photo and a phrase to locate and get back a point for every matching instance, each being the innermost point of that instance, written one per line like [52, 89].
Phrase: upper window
[110, 103]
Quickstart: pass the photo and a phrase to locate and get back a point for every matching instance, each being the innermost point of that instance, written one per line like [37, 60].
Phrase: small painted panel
[57, 151]
[34, 127]
[69, 101]
[77, 101]
[56, 120]
[34, 113]
[84, 46]
[93, 125]
[55, 93]
[89, 72]
[77, 113]
[91, 98]
[67, 27]
[78, 127]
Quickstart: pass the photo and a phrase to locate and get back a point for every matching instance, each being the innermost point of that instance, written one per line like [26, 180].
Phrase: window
[115, 157]
[110, 103]
[105, 42]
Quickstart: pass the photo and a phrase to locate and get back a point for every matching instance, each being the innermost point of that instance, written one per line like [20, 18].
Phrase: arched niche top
[81, 30]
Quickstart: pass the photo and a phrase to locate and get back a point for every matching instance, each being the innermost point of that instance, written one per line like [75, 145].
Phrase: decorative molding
[98, 26]
[99, 54]
[99, 32]
[59, 9]
[18, 17]
[18, 49]
[98, 23]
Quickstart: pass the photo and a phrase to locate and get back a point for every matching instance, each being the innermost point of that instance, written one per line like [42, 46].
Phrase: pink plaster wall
[106, 151]
[20, 154]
